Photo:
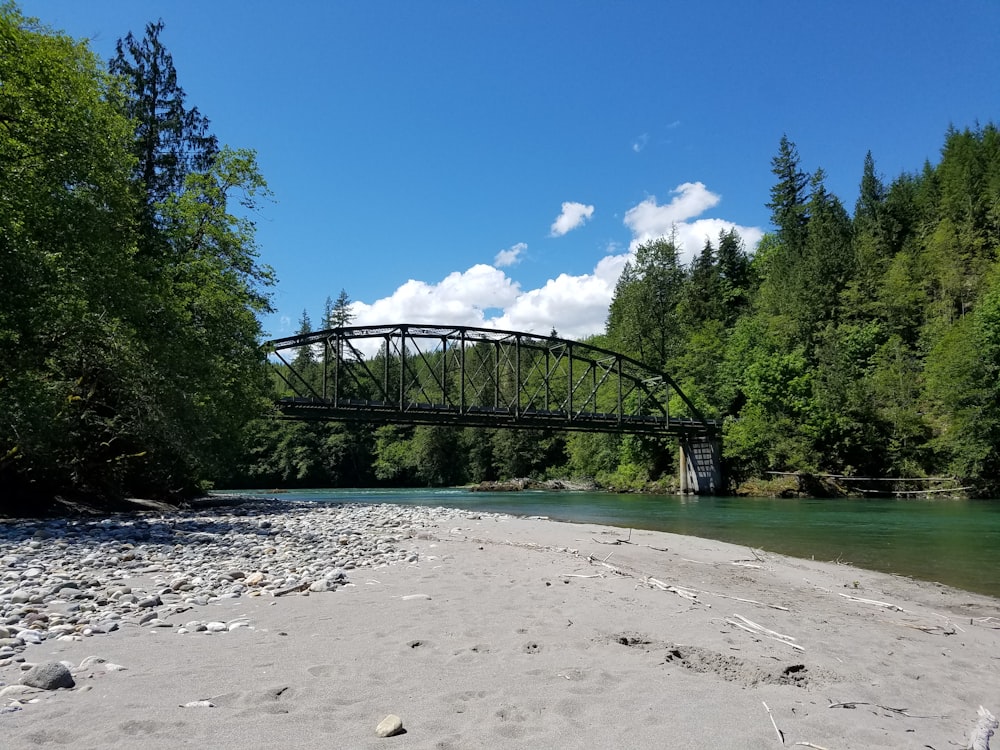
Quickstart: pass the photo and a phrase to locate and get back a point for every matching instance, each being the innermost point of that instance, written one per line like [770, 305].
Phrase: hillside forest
[858, 341]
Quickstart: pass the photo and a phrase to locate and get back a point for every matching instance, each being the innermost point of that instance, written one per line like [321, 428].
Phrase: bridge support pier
[700, 467]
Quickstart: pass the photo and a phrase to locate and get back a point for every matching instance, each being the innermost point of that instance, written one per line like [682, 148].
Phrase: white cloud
[576, 306]
[650, 220]
[573, 215]
[510, 256]
[640, 143]
[460, 299]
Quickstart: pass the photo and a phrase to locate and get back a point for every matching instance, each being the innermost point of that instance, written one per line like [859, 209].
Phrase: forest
[861, 342]
[129, 329]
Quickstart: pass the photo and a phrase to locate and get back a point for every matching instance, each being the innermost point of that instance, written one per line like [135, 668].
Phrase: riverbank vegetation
[853, 344]
[861, 342]
[130, 283]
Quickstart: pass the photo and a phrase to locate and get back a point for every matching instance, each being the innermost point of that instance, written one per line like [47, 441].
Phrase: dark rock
[48, 676]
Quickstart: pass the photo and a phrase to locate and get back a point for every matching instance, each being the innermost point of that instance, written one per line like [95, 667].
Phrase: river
[949, 541]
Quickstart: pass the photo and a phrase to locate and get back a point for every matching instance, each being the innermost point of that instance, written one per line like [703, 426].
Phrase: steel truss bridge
[479, 377]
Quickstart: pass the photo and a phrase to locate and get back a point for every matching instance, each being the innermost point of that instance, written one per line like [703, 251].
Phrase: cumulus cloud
[511, 256]
[640, 143]
[576, 306]
[461, 298]
[649, 220]
[573, 215]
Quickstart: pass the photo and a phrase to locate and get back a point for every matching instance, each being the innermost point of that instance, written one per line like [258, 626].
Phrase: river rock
[89, 576]
[390, 726]
[50, 675]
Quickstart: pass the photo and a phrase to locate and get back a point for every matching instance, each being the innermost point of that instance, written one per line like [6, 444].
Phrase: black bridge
[481, 377]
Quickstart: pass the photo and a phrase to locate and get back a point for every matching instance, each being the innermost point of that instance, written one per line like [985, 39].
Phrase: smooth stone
[13, 690]
[30, 636]
[389, 726]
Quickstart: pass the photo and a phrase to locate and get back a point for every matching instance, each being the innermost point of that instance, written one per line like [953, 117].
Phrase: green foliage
[643, 320]
[865, 344]
[171, 140]
[126, 371]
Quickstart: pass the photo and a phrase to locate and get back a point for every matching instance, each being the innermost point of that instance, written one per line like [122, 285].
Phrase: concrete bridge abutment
[700, 466]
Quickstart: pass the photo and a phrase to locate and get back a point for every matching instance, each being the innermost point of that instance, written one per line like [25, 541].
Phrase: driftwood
[741, 599]
[737, 563]
[900, 711]
[613, 568]
[629, 541]
[751, 627]
[873, 602]
[681, 592]
[809, 744]
[781, 737]
[932, 629]
[987, 724]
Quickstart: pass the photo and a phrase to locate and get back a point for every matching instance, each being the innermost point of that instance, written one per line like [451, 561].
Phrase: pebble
[390, 726]
[92, 576]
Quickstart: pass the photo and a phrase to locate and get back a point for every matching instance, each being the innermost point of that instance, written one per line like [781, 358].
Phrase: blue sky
[492, 163]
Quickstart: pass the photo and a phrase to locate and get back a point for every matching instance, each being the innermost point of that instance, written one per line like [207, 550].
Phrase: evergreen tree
[789, 213]
[171, 139]
[340, 315]
[643, 319]
[304, 355]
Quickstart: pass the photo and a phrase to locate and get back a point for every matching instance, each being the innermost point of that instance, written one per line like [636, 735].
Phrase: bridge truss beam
[466, 376]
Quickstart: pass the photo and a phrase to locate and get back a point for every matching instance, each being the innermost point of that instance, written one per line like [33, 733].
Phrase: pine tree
[788, 196]
[304, 356]
[340, 314]
[171, 140]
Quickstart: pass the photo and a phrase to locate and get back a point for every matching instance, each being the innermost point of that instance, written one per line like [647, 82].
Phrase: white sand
[524, 643]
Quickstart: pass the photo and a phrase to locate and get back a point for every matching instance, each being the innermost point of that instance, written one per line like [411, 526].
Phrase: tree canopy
[125, 371]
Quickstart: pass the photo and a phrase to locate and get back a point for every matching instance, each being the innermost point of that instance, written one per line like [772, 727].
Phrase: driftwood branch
[613, 568]
[629, 541]
[737, 563]
[987, 724]
[751, 627]
[781, 737]
[691, 596]
[900, 711]
[932, 629]
[741, 599]
[873, 602]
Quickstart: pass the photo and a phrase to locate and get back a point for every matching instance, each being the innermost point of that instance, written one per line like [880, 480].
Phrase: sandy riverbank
[528, 633]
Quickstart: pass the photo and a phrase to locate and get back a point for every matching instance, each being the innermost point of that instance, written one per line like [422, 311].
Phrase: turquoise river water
[949, 541]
